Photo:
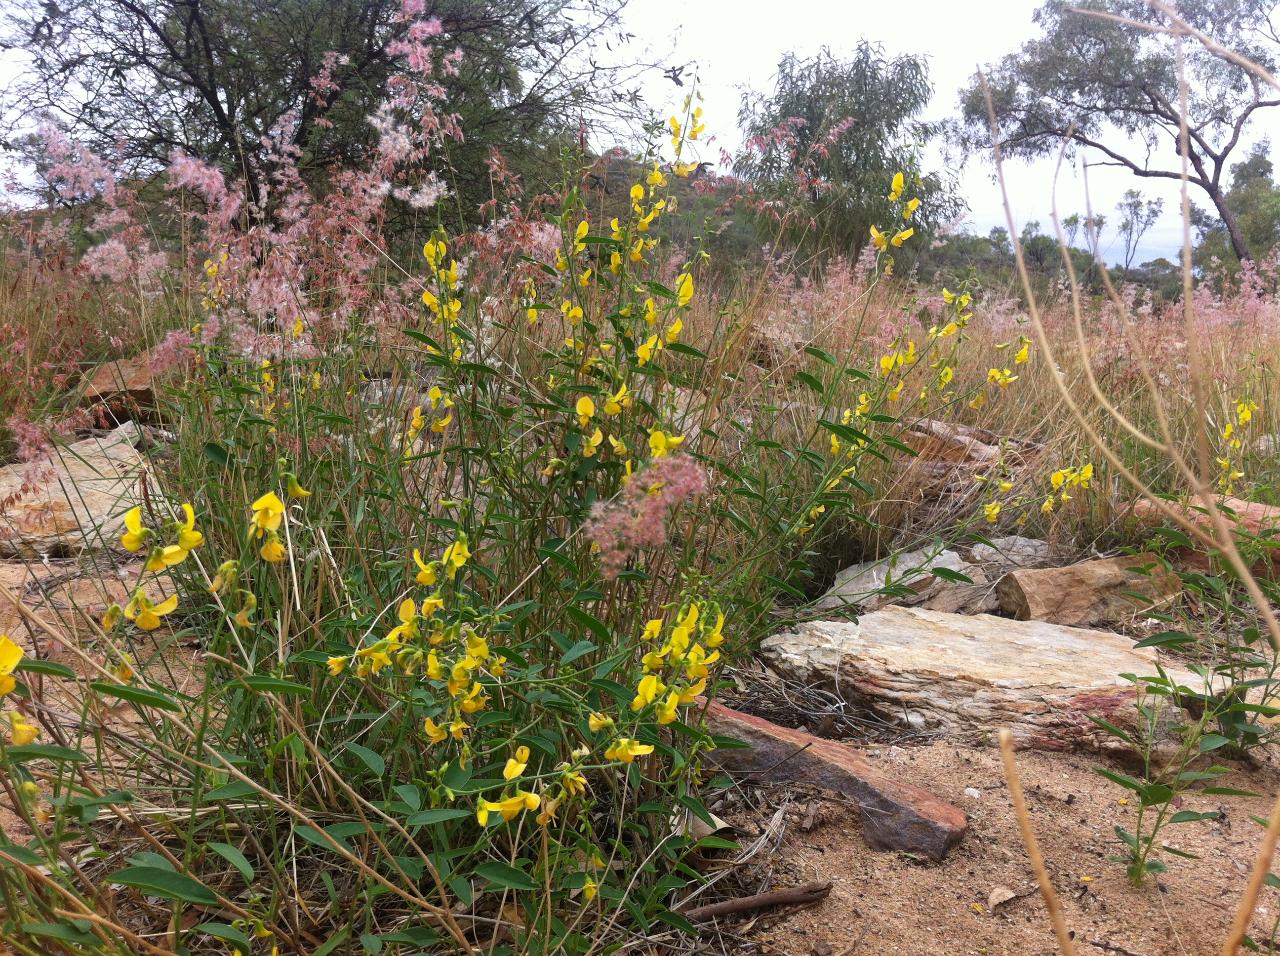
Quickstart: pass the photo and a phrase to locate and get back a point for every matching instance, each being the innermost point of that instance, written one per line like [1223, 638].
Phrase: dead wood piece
[791, 896]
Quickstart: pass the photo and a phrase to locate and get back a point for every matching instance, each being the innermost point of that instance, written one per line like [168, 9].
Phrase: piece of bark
[790, 896]
[1105, 591]
[895, 815]
[973, 675]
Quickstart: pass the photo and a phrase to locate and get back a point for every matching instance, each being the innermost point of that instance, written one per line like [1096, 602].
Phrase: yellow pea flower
[516, 765]
[337, 665]
[434, 731]
[21, 730]
[11, 654]
[146, 615]
[268, 513]
[455, 556]
[992, 511]
[510, 808]
[585, 409]
[598, 721]
[272, 549]
[428, 574]
[579, 234]
[895, 188]
[647, 691]
[901, 236]
[617, 401]
[592, 444]
[589, 890]
[912, 206]
[673, 331]
[684, 289]
[879, 240]
[626, 749]
[667, 710]
[135, 535]
[660, 443]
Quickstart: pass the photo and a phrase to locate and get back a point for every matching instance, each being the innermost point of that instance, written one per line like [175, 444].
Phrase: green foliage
[825, 141]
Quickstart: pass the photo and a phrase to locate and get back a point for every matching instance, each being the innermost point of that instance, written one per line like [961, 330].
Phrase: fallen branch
[792, 896]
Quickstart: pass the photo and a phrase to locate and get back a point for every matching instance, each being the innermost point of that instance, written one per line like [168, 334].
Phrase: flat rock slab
[895, 815]
[1012, 551]
[1105, 591]
[72, 501]
[125, 383]
[973, 674]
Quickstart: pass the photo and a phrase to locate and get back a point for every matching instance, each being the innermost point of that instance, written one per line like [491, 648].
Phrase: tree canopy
[216, 78]
[824, 144]
[1112, 88]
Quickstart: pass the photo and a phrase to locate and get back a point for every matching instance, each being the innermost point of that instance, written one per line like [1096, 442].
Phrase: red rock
[1250, 518]
[124, 385]
[895, 815]
[1103, 591]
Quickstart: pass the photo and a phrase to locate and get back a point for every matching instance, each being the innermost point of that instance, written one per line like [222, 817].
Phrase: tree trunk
[1238, 245]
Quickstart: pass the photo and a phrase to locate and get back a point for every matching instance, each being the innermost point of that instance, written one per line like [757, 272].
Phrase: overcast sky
[737, 43]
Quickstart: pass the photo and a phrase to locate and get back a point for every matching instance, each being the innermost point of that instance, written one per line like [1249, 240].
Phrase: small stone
[973, 793]
[1012, 551]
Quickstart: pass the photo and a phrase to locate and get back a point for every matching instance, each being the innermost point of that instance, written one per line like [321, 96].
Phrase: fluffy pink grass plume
[637, 519]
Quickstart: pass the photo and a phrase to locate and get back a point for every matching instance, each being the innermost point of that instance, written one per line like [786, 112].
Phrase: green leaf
[1154, 794]
[217, 453]
[61, 931]
[1212, 742]
[30, 665]
[1166, 639]
[806, 379]
[166, 884]
[1111, 728]
[505, 875]
[228, 934]
[372, 760]
[143, 696]
[594, 625]
[274, 685]
[1137, 786]
[672, 918]
[235, 858]
[45, 752]
[436, 815]
[1191, 816]
[581, 649]
[231, 791]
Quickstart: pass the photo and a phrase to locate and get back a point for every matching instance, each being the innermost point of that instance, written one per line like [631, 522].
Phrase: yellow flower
[592, 444]
[667, 710]
[22, 730]
[644, 352]
[455, 556]
[272, 549]
[111, 617]
[10, 656]
[337, 665]
[673, 331]
[146, 615]
[517, 764]
[1001, 376]
[637, 193]
[647, 691]
[684, 289]
[879, 240]
[589, 890]
[579, 234]
[166, 557]
[617, 401]
[896, 187]
[585, 408]
[248, 606]
[268, 513]
[690, 693]
[626, 749]
[598, 721]
[510, 808]
[655, 178]
[901, 236]
[1047, 506]
[912, 206]
[1023, 355]
[660, 443]
[434, 731]
[428, 574]
[135, 535]
[992, 511]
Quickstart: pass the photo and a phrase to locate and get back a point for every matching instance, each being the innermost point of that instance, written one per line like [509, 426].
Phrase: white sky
[737, 43]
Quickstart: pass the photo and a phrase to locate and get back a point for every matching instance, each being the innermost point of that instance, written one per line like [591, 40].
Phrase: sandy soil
[885, 903]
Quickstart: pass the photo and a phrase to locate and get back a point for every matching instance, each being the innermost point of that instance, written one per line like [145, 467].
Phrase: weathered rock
[66, 593]
[1105, 591]
[933, 440]
[895, 815]
[1012, 551]
[126, 385]
[972, 675]
[1250, 518]
[74, 499]
[909, 575]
